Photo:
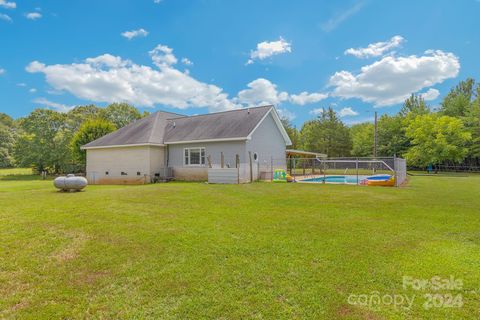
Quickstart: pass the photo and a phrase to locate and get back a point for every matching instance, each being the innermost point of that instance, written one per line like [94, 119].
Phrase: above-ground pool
[336, 179]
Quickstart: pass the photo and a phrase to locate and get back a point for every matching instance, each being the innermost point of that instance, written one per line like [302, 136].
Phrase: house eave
[278, 122]
[207, 140]
[123, 146]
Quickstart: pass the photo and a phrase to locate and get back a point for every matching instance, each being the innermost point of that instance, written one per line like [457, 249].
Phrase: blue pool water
[336, 179]
[346, 179]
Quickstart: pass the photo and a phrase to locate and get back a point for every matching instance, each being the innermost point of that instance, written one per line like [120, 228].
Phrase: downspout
[166, 161]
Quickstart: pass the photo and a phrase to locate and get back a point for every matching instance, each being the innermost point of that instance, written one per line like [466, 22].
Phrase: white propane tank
[70, 183]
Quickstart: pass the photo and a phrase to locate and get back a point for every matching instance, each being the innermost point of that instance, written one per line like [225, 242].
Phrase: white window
[194, 156]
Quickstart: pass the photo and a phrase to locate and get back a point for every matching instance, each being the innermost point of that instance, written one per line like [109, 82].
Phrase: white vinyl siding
[122, 165]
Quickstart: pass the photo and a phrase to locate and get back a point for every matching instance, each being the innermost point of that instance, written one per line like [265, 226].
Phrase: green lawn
[15, 172]
[257, 251]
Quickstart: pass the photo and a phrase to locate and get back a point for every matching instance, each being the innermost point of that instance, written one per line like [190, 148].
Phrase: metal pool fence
[354, 168]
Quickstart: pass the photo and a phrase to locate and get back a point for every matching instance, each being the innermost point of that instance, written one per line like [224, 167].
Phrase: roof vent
[174, 124]
[248, 111]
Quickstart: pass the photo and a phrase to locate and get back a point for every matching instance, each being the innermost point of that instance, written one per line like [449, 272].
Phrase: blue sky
[205, 56]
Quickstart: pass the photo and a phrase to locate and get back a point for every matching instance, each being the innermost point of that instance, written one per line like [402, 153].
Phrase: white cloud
[392, 79]
[5, 17]
[431, 94]
[162, 56]
[135, 33]
[316, 112]
[35, 66]
[267, 49]
[261, 92]
[347, 112]
[157, 1]
[33, 15]
[336, 20]
[376, 49]
[7, 5]
[56, 106]
[32, 90]
[307, 98]
[187, 62]
[107, 78]
[106, 60]
[2, 71]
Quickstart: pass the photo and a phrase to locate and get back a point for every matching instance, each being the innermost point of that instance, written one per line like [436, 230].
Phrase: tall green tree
[80, 114]
[292, 132]
[414, 105]
[436, 139]
[89, 131]
[44, 141]
[362, 139]
[8, 135]
[472, 122]
[391, 136]
[6, 120]
[463, 102]
[458, 101]
[7, 145]
[327, 134]
[120, 114]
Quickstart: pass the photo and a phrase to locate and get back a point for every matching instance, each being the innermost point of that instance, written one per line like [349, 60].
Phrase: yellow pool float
[383, 183]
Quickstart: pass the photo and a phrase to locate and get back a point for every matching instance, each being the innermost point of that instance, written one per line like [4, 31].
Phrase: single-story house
[182, 147]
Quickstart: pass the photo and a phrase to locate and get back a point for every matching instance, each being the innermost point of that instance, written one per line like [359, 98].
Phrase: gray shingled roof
[148, 130]
[164, 127]
[221, 125]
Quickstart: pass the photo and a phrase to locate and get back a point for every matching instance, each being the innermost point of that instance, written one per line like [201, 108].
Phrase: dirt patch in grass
[19, 306]
[89, 277]
[348, 311]
[76, 241]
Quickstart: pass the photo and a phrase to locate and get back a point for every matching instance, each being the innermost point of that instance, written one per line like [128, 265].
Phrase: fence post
[356, 169]
[271, 169]
[237, 165]
[324, 172]
[251, 169]
[294, 168]
[209, 159]
[395, 168]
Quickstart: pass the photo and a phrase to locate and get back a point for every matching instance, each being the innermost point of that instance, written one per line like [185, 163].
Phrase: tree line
[447, 135]
[47, 140]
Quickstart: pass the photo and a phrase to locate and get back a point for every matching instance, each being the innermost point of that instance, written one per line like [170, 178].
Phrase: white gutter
[208, 140]
[123, 145]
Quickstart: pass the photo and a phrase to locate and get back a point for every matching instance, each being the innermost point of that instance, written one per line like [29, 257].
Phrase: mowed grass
[15, 171]
[19, 174]
[255, 251]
